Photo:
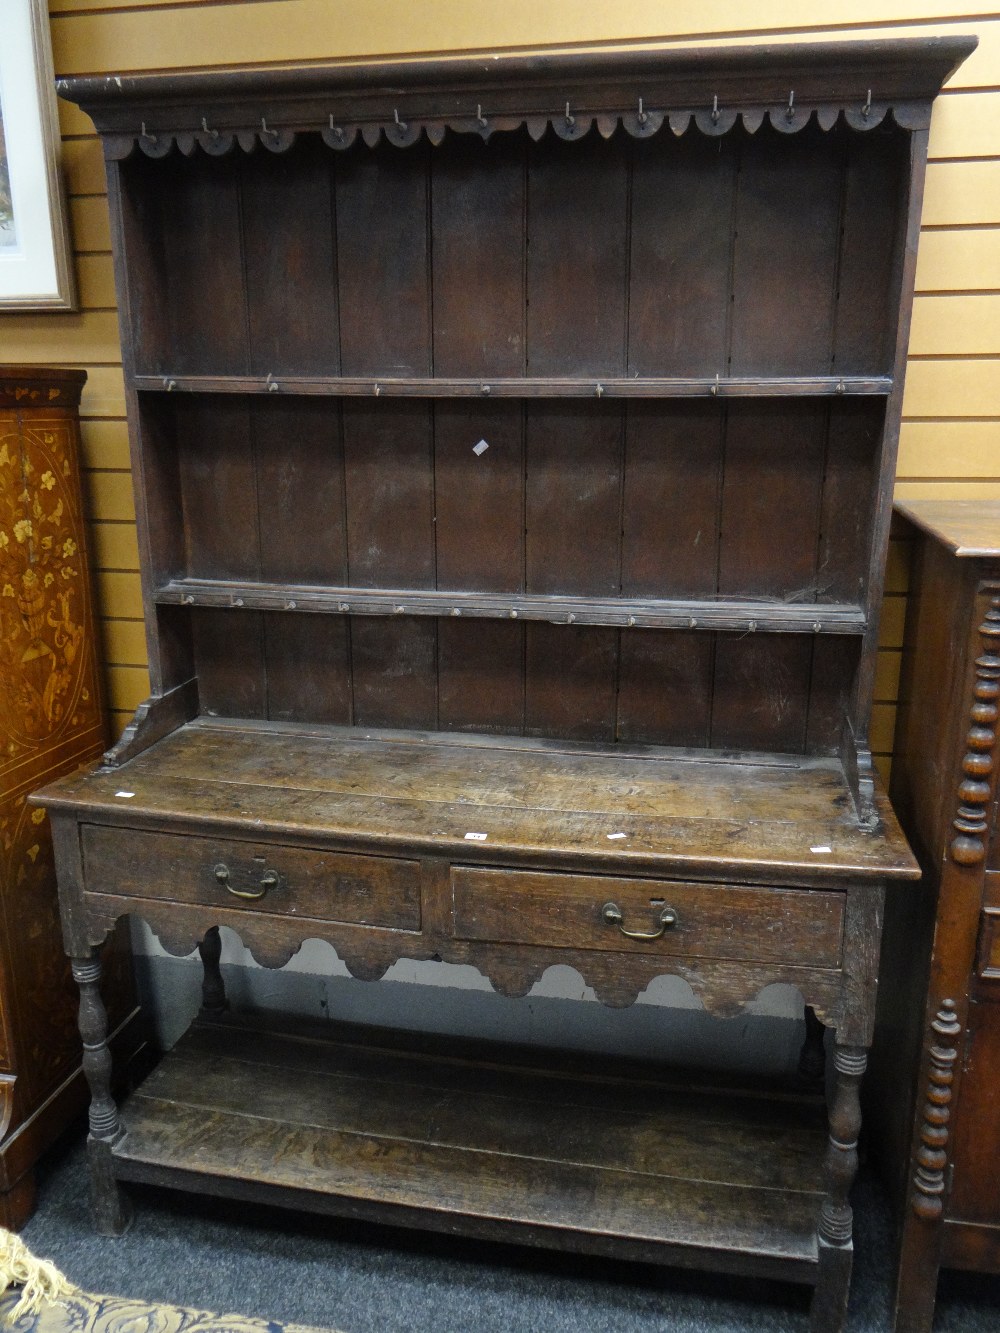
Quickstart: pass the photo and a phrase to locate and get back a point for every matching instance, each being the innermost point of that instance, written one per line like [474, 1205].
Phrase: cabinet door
[975, 1193]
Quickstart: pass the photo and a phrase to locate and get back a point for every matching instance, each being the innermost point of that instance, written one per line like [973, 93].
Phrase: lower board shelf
[471, 1142]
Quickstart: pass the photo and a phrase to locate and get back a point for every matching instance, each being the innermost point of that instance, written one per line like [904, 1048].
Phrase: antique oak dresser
[513, 442]
[934, 1107]
[52, 720]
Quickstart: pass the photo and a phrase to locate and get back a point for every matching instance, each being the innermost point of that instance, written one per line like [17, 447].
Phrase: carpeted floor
[365, 1279]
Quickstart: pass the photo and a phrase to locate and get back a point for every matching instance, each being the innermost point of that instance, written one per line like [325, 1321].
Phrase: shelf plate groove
[735, 614]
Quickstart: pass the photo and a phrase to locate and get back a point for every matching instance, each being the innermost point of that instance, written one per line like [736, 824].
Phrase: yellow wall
[952, 404]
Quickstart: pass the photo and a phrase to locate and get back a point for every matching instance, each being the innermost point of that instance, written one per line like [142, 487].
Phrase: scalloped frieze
[569, 124]
[724, 989]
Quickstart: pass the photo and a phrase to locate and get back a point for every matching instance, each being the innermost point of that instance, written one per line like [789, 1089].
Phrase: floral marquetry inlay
[45, 674]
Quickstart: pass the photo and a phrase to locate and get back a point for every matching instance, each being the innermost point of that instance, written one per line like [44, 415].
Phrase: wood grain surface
[678, 809]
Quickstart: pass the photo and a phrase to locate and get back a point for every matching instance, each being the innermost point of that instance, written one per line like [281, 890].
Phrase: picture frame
[36, 266]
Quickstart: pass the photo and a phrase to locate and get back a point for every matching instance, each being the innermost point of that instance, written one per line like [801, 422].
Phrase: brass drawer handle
[613, 915]
[269, 880]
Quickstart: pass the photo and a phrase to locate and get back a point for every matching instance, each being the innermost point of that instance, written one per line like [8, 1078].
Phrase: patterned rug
[36, 1298]
[80, 1312]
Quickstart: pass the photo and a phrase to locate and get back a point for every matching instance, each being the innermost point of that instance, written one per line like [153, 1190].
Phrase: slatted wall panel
[952, 403]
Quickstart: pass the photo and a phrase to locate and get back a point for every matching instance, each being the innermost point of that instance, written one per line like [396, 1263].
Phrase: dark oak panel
[761, 695]
[481, 676]
[785, 260]
[299, 455]
[870, 267]
[478, 240]
[665, 685]
[578, 243]
[393, 665]
[672, 496]
[771, 499]
[570, 682]
[229, 661]
[382, 256]
[573, 465]
[205, 279]
[479, 496]
[681, 255]
[218, 479]
[308, 669]
[290, 260]
[389, 484]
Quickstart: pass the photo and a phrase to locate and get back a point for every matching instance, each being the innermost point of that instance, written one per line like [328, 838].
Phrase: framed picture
[36, 269]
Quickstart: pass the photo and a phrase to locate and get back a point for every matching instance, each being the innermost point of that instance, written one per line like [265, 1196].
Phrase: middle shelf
[522, 386]
[740, 615]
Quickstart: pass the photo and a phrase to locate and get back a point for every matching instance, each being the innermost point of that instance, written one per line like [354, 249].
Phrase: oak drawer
[709, 920]
[286, 881]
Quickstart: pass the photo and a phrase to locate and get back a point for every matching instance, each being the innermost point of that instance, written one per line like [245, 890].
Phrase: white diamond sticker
[125, 794]
[480, 448]
[616, 835]
[476, 837]
[821, 849]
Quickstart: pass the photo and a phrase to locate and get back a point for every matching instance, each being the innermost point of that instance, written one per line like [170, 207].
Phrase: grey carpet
[187, 1250]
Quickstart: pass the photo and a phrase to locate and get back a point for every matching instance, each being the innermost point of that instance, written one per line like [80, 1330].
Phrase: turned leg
[213, 989]
[812, 1057]
[110, 1208]
[829, 1306]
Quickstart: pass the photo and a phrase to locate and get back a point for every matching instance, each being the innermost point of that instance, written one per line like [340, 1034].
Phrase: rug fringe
[39, 1280]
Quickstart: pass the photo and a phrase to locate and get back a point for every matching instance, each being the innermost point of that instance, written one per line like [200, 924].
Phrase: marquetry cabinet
[935, 1112]
[513, 442]
[52, 720]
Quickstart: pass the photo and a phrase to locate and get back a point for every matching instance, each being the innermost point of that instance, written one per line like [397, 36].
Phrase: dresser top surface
[968, 528]
[782, 817]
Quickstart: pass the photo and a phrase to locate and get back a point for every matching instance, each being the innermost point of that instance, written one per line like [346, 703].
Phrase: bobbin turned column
[836, 1219]
[111, 1210]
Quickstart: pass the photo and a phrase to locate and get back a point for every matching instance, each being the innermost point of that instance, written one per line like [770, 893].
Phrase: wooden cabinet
[934, 1093]
[513, 443]
[52, 720]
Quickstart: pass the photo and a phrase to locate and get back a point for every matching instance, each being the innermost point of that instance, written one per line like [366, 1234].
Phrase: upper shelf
[740, 386]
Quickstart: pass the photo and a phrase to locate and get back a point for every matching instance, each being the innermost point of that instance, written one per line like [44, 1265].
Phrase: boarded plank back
[479, 495]
[300, 487]
[784, 267]
[289, 242]
[681, 243]
[207, 288]
[577, 257]
[382, 255]
[389, 487]
[478, 234]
